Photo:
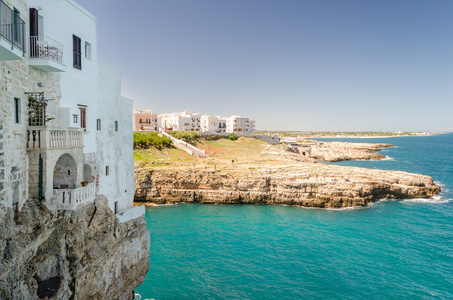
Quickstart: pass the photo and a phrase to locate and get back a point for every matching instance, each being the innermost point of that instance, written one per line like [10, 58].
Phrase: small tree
[233, 137]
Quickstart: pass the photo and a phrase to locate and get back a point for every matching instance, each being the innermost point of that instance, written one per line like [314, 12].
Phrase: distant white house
[63, 120]
[186, 121]
[182, 121]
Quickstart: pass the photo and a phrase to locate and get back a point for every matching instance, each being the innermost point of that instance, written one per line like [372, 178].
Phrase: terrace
[12, 34]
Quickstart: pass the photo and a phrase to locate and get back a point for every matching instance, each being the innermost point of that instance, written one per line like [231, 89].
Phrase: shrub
[187, 136]
[146, 140]
[233, 137]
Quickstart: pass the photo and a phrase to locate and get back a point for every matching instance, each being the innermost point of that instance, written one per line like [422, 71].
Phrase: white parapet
[131, 214]
[70, 199]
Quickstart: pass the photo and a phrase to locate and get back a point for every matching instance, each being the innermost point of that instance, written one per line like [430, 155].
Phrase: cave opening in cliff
[48, 287]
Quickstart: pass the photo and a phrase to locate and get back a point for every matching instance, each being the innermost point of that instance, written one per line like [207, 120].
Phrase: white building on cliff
[63, 121]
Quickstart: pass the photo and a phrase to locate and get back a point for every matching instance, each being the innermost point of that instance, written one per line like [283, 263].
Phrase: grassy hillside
[220, 153]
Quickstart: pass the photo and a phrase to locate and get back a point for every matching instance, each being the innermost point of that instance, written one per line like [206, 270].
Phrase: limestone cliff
[306, 185]
[82, 254]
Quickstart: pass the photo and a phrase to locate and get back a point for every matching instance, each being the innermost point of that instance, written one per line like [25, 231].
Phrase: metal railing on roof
[12, 27]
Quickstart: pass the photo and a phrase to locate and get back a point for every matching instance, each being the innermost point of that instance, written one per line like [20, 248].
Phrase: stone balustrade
[70, 199]
[44, 137]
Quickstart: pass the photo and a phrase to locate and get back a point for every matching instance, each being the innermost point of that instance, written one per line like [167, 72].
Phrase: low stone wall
[192, 150]
[131, 214]
[273, 140]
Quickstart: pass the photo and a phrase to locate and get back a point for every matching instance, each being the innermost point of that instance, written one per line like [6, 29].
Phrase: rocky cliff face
[325, 186]
[83, 254]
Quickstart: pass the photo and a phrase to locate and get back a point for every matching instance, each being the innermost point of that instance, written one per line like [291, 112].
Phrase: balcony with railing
[41, 136]
[70, 199]
[12, 34]
[45, 137]
[46, 54]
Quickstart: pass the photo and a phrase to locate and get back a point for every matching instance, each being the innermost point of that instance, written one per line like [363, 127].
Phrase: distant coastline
[358, 134]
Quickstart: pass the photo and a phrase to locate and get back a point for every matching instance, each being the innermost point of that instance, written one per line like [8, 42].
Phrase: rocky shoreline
[324, 186]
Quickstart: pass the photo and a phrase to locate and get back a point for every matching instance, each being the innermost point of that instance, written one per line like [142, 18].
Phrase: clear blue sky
[351, 65]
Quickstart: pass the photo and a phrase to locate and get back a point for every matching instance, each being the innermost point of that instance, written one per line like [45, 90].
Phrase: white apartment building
[239, 124]
[182, 121]
[209, 123]
[186, 121]
[63, 120]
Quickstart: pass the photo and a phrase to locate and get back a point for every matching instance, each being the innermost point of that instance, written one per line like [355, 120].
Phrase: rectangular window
[116, 125]
[140, 121]
[83, 118]
[88, 50]
[16, 110]
[107, 171]
[77, 52]
[98, 124]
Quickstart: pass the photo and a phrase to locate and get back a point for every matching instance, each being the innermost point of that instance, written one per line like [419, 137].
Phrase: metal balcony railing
[45, 47]
[12, 27]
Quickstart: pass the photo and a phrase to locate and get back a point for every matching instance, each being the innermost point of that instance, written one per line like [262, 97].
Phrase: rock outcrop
[340, 151]
[312, 185]
[82, 254]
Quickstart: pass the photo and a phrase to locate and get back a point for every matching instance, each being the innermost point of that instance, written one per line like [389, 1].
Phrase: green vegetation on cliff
[190, 137]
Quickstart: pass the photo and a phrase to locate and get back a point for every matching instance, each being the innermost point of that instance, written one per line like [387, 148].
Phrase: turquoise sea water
[390, 250]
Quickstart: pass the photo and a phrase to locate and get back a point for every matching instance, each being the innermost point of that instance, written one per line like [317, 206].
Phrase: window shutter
[33, 22]
[77, 52]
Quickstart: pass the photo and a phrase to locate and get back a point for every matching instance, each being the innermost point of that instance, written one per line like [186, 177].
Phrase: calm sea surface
[390, 250]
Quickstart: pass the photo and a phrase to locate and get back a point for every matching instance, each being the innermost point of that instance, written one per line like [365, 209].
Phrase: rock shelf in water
[323, 186]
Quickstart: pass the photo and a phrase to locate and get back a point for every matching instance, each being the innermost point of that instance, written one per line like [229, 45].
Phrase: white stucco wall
[115, 148]
[62, 19]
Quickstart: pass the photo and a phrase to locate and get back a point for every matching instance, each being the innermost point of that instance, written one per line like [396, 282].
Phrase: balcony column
[66, 138]
[45, 138]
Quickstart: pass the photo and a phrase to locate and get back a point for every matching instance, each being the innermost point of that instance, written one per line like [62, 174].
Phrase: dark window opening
[16, 110]
[107, 171]
[116, 125]
[77, 52]
[140, 121]
[98, 124]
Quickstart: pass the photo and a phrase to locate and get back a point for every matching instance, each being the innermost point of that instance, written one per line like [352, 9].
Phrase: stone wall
[18, 78]
[14, 167]
[2, 162]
